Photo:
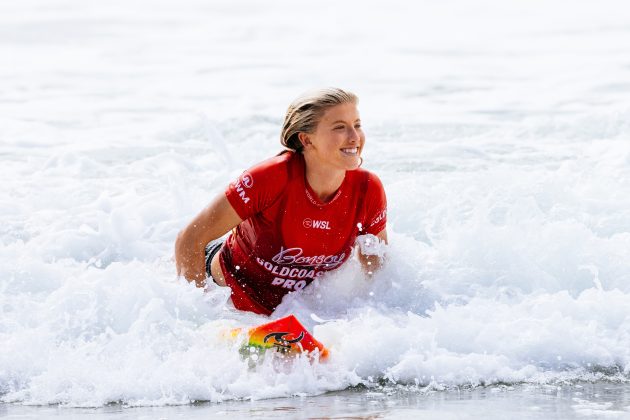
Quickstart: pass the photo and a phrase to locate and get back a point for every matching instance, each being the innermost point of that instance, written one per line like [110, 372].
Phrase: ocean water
[501, 131]
[598, 400]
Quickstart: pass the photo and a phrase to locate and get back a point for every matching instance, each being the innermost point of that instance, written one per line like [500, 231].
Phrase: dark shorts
[211, 250]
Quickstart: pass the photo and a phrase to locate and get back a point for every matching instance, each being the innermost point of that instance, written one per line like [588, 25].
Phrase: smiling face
[338, 140]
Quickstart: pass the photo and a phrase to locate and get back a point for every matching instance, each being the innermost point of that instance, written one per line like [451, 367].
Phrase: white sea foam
[501, 138]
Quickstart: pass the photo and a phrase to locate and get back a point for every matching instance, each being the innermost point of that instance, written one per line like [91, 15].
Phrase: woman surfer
[295, 216]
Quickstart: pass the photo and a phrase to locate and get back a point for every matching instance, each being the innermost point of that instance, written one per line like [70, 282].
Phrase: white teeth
[352, 151]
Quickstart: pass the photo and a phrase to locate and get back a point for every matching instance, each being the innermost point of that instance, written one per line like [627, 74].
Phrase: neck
[324, 181]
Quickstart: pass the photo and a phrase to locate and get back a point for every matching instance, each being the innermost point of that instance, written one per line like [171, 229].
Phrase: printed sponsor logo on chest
[316, 224]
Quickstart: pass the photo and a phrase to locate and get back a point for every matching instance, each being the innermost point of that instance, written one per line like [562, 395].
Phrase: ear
[304, 139]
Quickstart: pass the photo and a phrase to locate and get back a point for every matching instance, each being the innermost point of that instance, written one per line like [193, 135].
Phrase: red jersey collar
[312, 195]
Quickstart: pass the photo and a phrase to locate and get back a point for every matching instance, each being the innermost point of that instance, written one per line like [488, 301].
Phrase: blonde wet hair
[306, 111]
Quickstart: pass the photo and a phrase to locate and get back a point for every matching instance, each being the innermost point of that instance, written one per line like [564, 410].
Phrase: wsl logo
[316, 224]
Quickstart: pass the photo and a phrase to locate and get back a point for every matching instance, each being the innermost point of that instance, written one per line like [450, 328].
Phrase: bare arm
[372, 263]
[213, 222]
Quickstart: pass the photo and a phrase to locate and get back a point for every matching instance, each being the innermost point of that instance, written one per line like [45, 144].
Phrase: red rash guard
[288, 237]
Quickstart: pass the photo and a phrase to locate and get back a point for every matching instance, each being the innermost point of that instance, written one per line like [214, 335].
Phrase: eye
[357, 125]
[339, 127]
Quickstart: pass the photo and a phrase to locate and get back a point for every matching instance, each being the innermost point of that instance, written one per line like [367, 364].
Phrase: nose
[353, 135]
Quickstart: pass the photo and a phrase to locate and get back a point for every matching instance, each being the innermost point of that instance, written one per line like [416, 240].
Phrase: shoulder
[372, 182]
[275, 169]
[260, 186]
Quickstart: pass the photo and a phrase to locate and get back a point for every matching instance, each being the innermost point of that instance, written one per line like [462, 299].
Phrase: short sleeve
[376, 206]
[258, 187]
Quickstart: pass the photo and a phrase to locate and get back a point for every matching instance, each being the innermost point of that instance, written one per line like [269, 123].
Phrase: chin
[351, 166]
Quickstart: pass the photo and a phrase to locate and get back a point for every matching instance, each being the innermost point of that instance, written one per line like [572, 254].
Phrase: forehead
[341, 112]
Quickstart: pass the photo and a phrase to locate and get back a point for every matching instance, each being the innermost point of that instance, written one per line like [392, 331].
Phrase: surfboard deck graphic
[285, 335]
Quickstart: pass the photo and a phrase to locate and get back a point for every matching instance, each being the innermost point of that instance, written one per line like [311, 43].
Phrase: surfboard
[285, 335]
